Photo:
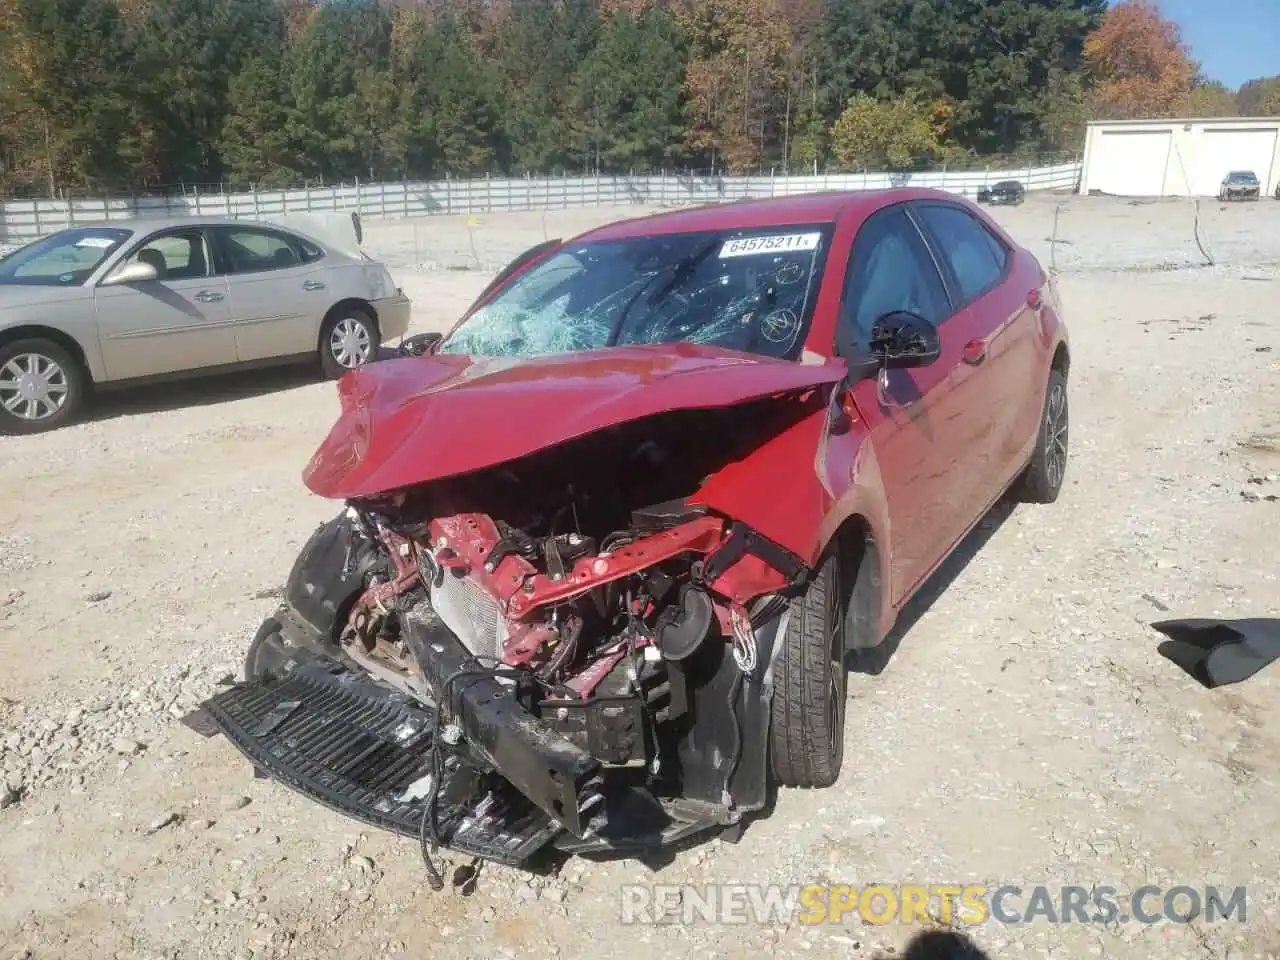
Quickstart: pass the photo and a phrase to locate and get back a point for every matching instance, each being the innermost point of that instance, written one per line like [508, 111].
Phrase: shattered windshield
[748, 290]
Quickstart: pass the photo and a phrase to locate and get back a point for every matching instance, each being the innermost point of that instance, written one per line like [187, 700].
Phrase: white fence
[23, 219]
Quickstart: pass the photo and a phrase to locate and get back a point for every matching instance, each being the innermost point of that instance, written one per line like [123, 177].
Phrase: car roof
[809, 208]
[148, 224]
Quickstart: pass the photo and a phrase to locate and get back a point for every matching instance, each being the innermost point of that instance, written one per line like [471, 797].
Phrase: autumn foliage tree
[128, 95]
[736, 78]
[1141, 68]
[1209, 98]
[896, 134]
[1259, 98]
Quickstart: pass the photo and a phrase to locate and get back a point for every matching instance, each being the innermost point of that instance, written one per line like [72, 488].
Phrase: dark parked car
[1240, 185]
[1006, 191]
[606, 546]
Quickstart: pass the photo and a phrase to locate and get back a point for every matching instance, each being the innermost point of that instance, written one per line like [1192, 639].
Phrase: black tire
[809, 686]
[268, 632]
[332, 361]
[1042, 481]
[65, 380]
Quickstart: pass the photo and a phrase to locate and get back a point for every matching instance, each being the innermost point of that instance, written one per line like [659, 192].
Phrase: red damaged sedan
[606, 545]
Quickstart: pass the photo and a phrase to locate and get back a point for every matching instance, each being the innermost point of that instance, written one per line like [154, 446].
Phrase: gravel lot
[1024, 730]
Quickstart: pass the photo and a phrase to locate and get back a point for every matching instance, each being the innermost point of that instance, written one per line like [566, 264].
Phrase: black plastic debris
[1220, 652]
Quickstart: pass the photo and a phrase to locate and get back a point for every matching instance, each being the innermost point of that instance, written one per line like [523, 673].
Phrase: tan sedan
[130, 301]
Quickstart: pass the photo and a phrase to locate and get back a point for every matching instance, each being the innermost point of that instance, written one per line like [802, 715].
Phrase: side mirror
[420, 344]
[902, 339]
[136, 272]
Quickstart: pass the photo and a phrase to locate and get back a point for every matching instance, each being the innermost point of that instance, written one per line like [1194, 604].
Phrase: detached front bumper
[360, 749]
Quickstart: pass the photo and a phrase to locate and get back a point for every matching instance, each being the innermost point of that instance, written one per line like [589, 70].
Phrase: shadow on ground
[199, 391]
[207, 389]
[939, 945]
[875, 660]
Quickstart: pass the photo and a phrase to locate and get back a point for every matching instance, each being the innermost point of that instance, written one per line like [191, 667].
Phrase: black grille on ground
[357, 747]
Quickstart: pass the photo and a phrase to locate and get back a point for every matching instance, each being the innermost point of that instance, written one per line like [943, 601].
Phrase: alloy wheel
[33, 387]
[1056, 435]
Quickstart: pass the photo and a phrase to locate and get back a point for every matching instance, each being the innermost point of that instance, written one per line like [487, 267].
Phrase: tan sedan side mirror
[136, 272]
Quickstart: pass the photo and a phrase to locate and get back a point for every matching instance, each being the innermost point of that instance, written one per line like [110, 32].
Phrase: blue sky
[1234, 40]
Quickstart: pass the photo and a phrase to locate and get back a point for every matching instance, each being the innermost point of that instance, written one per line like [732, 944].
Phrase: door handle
[209, 296]
[975, 351]
[312, 285]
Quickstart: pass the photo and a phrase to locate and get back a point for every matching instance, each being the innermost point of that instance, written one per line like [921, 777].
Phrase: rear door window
[976, 257]
[252, 250]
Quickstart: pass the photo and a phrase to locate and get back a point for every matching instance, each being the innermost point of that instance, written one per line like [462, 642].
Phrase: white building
[1178, 158]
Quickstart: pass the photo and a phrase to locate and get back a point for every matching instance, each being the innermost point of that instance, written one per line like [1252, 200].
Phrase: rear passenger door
[915, 417]
[278, 294]
[977, 266]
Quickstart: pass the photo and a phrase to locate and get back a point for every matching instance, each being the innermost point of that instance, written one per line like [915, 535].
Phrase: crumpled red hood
[412, 420]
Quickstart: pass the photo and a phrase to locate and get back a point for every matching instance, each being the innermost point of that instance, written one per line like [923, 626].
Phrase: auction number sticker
[97, 243]
[778, 243]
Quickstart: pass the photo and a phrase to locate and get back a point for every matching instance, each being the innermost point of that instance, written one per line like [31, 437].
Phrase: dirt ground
[1023, 731]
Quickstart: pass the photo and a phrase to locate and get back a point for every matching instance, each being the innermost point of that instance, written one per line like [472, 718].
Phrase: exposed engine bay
[533, 570]
[565, 648]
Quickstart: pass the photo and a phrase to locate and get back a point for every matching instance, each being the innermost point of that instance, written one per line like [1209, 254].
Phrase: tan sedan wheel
[41, 386]
[349, 340]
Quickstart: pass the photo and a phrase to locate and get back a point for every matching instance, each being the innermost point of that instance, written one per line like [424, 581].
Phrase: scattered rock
[126, 746]
[236, 803]
[199, 826]
[1262, 488]
[98, 596]
[361, 863]
[162, 821]
[9, 796]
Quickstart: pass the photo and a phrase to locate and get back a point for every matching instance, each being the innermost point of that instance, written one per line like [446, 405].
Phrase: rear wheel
[1042, 481]
[349, 339]
[41, 386]
[810, 683]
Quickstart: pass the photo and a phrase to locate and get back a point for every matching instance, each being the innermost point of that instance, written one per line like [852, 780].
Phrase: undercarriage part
[558, 776]
[611, 729]
[634, 820]
[362, 750]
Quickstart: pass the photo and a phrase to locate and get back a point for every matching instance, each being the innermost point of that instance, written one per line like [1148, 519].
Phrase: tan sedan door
[279, 291]
[180, 321]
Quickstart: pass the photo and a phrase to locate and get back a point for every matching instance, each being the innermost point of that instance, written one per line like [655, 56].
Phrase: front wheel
[348, 340]
[41, 386]
[809, 686]
[1042, 481]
